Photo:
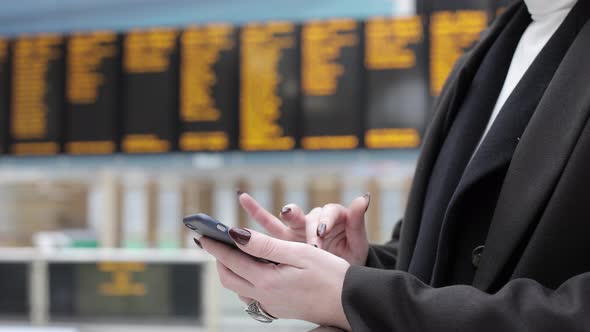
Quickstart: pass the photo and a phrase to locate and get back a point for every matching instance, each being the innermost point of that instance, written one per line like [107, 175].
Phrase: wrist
[361, 257]
[328, 309]
[340, 319]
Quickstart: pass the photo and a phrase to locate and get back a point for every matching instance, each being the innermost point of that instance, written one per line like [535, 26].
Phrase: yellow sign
[121, 283]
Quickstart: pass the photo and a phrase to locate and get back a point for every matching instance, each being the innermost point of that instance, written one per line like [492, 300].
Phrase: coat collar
[460, 80]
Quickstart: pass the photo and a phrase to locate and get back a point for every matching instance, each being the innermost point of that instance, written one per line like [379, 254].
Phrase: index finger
[292, 215]
[237, 261]
[269, 222]
[263, 246]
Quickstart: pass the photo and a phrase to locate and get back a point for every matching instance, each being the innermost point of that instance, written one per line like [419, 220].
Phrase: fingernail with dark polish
[240, 235]
[198, 243]
[367, 196]
[285, 210]
[239, 192]
[321, 229]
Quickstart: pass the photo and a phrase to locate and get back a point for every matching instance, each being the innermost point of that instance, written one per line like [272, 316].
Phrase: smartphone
[213, 229]
[209, 227]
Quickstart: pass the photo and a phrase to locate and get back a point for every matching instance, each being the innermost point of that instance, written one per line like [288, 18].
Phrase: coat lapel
[539, 159]
[459, 79]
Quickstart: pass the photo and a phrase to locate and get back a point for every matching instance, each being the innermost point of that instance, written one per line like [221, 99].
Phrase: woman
[495, 233]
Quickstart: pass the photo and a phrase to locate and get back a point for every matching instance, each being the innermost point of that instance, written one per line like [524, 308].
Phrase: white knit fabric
[547, 16]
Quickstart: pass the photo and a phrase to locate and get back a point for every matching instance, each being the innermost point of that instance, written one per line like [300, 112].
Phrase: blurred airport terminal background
[119, 117]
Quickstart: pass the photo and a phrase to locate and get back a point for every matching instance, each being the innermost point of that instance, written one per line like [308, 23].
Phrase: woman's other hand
[335, 228]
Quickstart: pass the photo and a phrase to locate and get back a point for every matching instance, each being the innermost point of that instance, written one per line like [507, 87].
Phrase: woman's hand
[307, 284]
[288, 231]
[337, 229]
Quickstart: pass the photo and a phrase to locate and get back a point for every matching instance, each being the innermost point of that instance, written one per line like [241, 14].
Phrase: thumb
[263, 246]
[356, 211]
[355, 227]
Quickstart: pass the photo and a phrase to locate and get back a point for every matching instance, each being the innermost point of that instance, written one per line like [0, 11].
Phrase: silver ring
[255, 311]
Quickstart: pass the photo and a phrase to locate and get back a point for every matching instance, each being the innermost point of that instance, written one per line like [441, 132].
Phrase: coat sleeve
[385, 256]
[386, 300]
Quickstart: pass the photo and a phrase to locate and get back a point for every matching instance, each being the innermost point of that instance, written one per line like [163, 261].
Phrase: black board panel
[14, 289]
[396, 82]
[150, 91]
[125, 290]
[270, 100]
[92, 91]
[37, 105]
[454, 28]
[332, 78]
[209, 88]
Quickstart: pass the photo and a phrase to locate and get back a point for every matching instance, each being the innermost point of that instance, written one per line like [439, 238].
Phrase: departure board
[150, 91]
[396, 82]
[209, 88]
[92, 85]
[4, 92]
[332, 75]
[37, 103]
[125, 290]
[270, 100]
[454, 27]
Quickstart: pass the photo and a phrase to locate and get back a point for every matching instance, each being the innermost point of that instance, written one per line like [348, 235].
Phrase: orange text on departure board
[451, 33]
[90, 147]
[201, 48]
[121, 283]
[32, 56]
[263, 46]
[387, 42]
[86, 52]
[144, 143]
[148, 51]
[387, 138]
[323, 42]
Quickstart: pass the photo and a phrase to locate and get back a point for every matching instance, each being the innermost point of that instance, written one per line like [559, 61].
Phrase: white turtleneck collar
[541, 8]
[547, 16]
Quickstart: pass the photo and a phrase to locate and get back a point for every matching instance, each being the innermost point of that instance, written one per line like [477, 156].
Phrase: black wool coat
[534, 272]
